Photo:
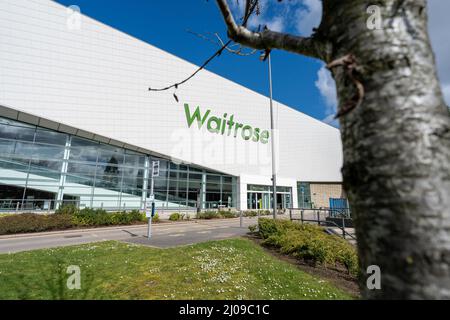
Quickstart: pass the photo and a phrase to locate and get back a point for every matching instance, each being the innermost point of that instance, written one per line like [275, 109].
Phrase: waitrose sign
[225, 125]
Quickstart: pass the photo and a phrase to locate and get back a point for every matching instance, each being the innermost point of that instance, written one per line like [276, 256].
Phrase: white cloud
[327, 88]
[308, 16]
[281, 16]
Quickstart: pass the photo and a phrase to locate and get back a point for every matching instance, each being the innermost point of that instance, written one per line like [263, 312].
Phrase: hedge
[218, 214]
[68, 217]
[309, 243]
[30, 222]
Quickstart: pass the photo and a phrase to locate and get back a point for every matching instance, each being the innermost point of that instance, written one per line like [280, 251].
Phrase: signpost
[151, 213]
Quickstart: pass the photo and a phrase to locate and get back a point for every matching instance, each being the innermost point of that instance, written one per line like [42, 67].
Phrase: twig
[175, 85]
[220, 43]
[250, 7]
[349, 63]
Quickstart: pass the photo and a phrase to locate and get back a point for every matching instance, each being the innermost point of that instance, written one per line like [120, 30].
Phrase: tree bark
[395, 130]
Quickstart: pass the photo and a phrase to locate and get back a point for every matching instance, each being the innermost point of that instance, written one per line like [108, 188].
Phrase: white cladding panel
[96, 79]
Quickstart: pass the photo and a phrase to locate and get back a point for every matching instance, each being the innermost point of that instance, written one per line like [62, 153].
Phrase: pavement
[164, 235]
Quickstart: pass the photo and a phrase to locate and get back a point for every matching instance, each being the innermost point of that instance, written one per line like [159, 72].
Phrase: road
[164, 235]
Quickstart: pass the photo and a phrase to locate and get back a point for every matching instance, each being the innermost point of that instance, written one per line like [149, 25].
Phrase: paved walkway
[164, 235]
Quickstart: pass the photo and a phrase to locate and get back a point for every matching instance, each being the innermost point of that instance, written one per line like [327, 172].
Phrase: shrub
[227, 214]
[99, 217]
[176, 216]
[155, 218]
[252, 228]
[250, 213]
[30, 222]
[308, 242]
[67, 209]
[208, 215]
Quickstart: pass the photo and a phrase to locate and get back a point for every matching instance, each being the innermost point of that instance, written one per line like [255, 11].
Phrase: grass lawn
[228, 269]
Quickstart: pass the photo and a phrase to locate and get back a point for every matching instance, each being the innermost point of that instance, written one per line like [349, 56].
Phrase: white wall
[97, 78]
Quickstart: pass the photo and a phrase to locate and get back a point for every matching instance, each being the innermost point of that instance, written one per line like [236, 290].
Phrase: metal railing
[324, 217]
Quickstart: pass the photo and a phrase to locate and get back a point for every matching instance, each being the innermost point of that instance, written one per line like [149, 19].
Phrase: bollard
[240, 219]
[343, 227]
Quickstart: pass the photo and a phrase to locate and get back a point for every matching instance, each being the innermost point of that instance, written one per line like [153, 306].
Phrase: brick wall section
[320, 193]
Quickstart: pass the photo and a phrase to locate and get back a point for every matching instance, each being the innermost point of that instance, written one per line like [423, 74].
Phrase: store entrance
[258, 200]
[262, 200]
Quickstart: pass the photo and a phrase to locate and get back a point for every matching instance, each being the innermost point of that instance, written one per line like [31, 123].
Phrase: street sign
[152, 212]
[155, 168]
[148, 209]
[151, 198]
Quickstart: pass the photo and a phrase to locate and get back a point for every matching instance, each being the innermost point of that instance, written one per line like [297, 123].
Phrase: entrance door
[280, 201]
[256, 200]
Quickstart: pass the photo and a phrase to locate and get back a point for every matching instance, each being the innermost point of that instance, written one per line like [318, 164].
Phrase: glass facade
[261, 197]
[40, 169]
[304, 195]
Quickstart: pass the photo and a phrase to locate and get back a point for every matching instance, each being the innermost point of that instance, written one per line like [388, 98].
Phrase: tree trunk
[396, 146]
[395, 130]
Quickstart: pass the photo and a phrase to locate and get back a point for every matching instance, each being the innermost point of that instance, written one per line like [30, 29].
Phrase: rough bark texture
[396, 143]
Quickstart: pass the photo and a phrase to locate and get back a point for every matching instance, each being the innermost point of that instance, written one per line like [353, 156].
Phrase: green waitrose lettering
[225, 125]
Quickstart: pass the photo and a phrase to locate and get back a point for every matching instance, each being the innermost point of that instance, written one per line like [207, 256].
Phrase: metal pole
[343, 227]
[272, 129]
[240, 219]
[149, 232]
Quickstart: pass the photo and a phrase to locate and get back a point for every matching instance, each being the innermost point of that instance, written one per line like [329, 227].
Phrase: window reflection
[98, 175]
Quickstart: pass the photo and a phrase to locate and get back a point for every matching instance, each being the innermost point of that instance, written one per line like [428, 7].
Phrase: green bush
[308, 242]
[227, 214]
[252, 228]
[208, 215]
[176, 216]
[254, 213]
[99, 217]
[155, 218]
[250, 213]
[67, 209]
[30, 222]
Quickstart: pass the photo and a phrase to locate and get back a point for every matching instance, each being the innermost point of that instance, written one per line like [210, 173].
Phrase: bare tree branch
[250, 7]
[220, 43]
[175, 85]
[268, 39]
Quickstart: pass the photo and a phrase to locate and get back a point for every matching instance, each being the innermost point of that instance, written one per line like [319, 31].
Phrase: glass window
[195, 185]
[16, 132]
[304, 195]
[43, 166]
[227, 188]
[194, 169]
[43, 151]
[227, 179]
[81, 169]
[134, 159]
[111, 156]
[50, 137]
[6, 148]
[80, 142]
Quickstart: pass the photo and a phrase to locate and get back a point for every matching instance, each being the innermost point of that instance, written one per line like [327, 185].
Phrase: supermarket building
[79, 125]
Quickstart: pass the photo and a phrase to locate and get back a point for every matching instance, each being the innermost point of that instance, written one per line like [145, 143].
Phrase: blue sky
[299, 82]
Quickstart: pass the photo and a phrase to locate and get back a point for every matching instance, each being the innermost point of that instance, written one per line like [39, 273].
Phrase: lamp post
[264, 56]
